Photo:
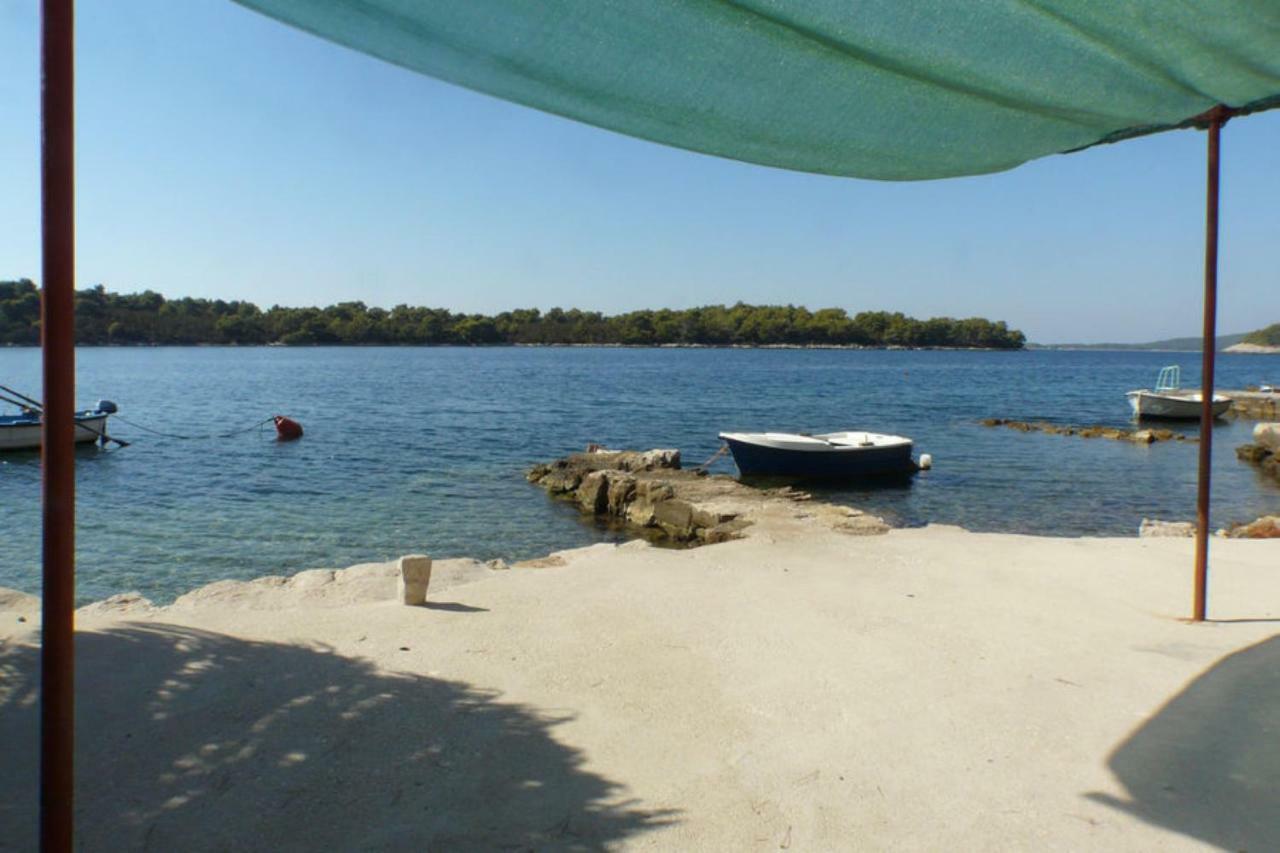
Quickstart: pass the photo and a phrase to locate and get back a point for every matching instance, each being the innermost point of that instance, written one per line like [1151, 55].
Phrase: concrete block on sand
[415, 576]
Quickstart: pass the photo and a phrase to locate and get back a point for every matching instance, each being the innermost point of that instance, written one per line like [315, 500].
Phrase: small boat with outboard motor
[23, 431]
[1170, 401]
[825, 456]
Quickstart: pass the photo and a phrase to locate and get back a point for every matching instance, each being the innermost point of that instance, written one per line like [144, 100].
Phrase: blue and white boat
[829, 456]
[22, 432]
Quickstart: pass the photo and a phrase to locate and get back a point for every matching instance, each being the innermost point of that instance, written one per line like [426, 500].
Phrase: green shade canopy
[887, 89]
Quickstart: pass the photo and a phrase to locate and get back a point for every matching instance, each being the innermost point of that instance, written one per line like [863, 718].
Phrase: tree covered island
[107, 318]
[1268, 337]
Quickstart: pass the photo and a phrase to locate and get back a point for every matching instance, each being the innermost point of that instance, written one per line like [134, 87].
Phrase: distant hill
[1168, 345]
[1268, 337]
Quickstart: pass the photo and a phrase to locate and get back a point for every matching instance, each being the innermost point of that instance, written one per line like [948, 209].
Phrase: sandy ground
[927, 689]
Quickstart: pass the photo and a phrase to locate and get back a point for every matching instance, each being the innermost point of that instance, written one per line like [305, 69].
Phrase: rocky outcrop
[18, 613]
[1267, 527]
[568, 475]
[1267, 435]
[121, 604]
[637, 489]
[1264, 456]
[650, 494]
[1140, 436]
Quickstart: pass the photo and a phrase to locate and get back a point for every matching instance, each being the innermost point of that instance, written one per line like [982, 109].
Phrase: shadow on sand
[1208, 763]
[188, 740]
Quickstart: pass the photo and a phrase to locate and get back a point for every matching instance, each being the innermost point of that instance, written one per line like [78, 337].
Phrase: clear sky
[222, 154]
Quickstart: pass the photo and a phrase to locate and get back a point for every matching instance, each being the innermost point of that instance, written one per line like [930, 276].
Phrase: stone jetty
[1140, 436]
[651, 495]
[1252, 403]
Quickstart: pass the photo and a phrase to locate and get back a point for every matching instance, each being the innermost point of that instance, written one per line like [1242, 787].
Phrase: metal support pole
[1217, 118]
[57, 318]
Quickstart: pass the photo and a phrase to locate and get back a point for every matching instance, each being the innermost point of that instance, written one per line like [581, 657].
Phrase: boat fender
[926, 461]
[287, 429]
[107, 407]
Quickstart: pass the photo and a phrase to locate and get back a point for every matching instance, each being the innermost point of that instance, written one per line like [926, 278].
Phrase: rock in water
[1254, 453]
[1267, 435]
[1141, 436]
[593, 492]
[649, 493]
[1267, 527]
[415, 576]
[1264, 456]
[660, 459]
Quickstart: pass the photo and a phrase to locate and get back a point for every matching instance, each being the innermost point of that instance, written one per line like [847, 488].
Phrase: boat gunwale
[816, 443]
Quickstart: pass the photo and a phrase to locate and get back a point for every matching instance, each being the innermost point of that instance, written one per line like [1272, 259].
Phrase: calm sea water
[420, 449]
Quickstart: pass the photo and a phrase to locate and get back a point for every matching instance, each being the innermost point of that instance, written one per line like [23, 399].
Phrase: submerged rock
[1139, 436]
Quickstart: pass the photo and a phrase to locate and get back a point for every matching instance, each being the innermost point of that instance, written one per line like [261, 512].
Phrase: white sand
[802, 689]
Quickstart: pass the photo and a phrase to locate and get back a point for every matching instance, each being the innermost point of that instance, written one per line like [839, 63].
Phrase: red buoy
[287, 429]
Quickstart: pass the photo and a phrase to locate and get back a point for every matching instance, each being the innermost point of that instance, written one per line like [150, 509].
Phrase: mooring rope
[724, 448]
[231, 434]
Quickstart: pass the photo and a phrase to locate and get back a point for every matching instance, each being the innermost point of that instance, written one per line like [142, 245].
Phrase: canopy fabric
[887, 89]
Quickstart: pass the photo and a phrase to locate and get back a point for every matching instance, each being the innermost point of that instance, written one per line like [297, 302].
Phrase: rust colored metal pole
[1207, 347]
[57, 317]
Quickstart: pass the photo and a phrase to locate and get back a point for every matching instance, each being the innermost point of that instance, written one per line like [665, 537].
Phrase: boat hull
[1184, 407]
[755, 459]
[25, 433]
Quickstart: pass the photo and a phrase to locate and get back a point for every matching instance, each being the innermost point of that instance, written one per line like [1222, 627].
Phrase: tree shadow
[1207, 764]
[188, 740]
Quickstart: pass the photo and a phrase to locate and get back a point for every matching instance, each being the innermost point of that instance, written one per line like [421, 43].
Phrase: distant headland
[104, 318]
[1261, 341]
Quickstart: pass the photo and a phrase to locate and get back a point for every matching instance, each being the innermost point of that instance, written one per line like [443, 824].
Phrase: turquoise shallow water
[423, 449]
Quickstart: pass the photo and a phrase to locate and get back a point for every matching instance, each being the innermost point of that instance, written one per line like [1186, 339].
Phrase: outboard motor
[107, 407]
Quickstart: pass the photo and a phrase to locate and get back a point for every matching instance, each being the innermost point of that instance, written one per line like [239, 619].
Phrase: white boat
[22, 432]
[1169, 400]
[830, 456]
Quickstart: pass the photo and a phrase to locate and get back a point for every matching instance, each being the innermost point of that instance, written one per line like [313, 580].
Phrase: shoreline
[374, 581]
[748, 512]
[278, 345]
